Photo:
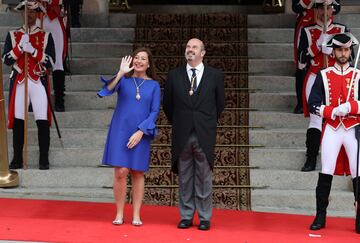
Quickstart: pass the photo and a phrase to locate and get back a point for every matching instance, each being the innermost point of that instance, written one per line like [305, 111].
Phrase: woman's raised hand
[125, 64]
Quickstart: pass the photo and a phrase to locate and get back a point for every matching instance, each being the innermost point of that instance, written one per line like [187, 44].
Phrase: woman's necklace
[138, 97]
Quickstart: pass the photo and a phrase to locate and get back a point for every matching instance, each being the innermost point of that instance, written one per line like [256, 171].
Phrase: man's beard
[190, 55]
[342, 60]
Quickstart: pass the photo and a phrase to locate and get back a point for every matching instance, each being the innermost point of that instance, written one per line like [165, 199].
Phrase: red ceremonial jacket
[331, 89]
[38, 63]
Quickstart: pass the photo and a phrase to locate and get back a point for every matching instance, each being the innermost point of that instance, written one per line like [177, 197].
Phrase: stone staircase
[75, 172]
[96, 47]
[279, 161]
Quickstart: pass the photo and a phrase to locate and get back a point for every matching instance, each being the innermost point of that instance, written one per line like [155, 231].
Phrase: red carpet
[65, 221]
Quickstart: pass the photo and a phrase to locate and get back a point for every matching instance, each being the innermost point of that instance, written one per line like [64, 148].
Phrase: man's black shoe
[44, 167]
[298, 110]
[307, 168]
[59, 108]
[15, 166]
[319, 222]
[185, 223]
[204, 225]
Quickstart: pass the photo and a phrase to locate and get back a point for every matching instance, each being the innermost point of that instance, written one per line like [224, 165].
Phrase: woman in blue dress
[132, 127]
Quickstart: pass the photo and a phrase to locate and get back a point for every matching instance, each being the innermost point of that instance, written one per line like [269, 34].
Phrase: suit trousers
[195, 181]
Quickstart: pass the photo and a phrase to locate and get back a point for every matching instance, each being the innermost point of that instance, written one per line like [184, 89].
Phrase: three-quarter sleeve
[148, 126]
[105, 91]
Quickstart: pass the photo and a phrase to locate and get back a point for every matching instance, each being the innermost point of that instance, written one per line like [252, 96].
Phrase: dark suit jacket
[186, 116]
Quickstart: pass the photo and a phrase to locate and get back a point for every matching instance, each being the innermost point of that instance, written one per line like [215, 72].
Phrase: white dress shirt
[199, 72]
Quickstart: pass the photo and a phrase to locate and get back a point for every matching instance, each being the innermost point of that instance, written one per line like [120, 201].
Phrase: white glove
[326, 50]
[28, 48]
[323, 40]
[344, 108]
[335, 113]
[24, 39]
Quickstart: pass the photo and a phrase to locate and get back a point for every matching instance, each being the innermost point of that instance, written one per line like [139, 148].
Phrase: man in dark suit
[193, 101]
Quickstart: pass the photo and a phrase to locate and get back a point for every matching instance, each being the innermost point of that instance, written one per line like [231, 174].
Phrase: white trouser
[331, 145]
[315, 121]
[37, 96]
[54, 27]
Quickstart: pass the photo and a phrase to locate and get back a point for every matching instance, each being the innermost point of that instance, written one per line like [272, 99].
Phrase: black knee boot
[356, 180]
[322, 201]
[313, 137]
[59, 90]
[18, 144]
[299, 79]
[75, 7]
[44, 143]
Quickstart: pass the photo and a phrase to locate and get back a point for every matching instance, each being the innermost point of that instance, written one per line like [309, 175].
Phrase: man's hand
[24, 39]
[28, 48]
[344, 108]
[323, 40]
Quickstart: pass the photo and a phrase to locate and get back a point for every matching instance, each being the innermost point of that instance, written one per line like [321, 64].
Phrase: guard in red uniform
[41, 55]
[311, 53]
[305, 17]
[53, 22]
[329, 100]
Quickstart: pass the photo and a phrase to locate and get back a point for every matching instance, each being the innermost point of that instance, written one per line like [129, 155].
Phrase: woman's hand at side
[135, 139]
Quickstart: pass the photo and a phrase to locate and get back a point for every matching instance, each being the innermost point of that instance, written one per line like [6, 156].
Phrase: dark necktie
[193, 77]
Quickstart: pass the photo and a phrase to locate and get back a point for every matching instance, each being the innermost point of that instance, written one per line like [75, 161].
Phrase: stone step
[109, 65]
[295, 180]
[113, 20]
[49, 193]
[278, 158]
[119, 35]
[90, 101]
[87, 138]
[276, 35]
[272, 83]
[92, 156]
[73, 82]
[66, 177]
[87, 20]
[278, 119]
[98, 50]
[101, 119]
[81, 177]
[72, 138]
[288, 20]
[341, 203]
[278, 138]
[271, 50]
[91, 82]
[67, 157]
[281, 101]
[274, 67]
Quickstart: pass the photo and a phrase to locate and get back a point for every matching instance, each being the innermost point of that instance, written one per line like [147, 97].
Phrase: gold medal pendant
[191, 92]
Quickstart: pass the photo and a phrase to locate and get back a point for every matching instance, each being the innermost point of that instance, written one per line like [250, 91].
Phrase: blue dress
[129, 116]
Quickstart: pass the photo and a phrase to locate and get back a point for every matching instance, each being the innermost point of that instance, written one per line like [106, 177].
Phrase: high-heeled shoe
[118, 221]
[136, 222]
